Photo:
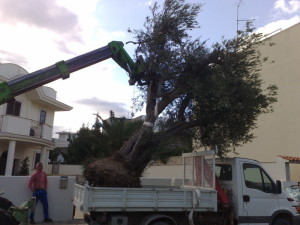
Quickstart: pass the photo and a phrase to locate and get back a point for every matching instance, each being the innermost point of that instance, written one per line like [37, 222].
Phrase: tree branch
[185, 102]
[177, 129]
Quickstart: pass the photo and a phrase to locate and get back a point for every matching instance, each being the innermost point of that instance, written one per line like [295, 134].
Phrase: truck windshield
[256, 178]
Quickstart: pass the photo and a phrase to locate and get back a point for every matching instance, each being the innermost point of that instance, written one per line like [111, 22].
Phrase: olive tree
[212, 94]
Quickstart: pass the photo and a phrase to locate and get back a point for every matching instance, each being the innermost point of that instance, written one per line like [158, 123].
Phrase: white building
[62, 141]
[26, 124]
[277, 134]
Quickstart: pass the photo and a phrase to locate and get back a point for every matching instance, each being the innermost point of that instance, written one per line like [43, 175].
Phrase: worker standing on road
[38, 185]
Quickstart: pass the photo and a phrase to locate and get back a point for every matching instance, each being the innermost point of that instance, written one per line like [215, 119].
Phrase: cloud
[279, 25]
[104, 107]
[6, 56]
[41, 14]
[287, 7]
[38, 33]
[149, 3]
[62, 46]
[58, 129]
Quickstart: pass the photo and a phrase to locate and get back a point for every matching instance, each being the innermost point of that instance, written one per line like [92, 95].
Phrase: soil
[111, 172]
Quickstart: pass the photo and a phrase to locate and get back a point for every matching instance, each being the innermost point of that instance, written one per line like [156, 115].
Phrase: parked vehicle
[294, 192]
[241, 193]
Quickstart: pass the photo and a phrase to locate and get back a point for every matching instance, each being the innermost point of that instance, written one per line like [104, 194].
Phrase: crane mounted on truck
[62, 69]
[10, 89]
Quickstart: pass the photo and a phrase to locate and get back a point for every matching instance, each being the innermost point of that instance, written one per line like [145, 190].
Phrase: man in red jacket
[38, 185]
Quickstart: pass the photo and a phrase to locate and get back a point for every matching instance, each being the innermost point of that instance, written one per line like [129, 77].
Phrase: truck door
[258, 195]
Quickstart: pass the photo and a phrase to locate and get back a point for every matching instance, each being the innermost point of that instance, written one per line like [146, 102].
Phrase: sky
[36, 34]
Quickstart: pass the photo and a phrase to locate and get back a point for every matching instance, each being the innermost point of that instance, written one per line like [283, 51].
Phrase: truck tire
[281, 221]
[159, 223]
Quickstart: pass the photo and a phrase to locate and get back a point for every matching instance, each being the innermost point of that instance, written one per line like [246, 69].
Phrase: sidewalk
[78, 220]
[74, 222]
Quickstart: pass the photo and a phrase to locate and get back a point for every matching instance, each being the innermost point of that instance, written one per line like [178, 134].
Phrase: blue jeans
[41, 195]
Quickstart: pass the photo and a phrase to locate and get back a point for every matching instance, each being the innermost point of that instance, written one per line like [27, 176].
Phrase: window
[13, 108]
[37, 158]
[16, 167]
[43, 116]
[224, 172]
[256, 178]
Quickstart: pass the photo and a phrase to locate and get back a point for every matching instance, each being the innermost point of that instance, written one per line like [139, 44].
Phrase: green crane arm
[62, 69]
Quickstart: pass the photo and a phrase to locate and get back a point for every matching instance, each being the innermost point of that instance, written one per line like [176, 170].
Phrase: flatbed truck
[252, 197]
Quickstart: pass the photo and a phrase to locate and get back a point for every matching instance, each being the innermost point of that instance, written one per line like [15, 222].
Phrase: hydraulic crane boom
[62, 69]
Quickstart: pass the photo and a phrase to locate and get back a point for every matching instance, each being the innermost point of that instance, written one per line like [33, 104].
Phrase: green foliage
[87, 143]
[175, 146]
[53, 154]
[172, 146]
[104, 139]
[24, 170]
[214, 94]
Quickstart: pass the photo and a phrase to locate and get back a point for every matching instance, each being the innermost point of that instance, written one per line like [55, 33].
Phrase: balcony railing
[22, 126]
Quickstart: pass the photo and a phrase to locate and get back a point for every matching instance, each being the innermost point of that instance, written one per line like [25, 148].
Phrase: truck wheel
[159, 223]
[281, 221]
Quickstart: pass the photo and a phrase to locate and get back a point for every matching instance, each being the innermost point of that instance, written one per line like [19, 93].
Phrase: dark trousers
[41, 195]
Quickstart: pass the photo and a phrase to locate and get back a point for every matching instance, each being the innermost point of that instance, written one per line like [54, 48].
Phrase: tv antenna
[237, 17]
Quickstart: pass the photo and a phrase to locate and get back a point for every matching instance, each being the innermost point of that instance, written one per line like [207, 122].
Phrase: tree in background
[101, 141]
[213, 94]
[54, 154]
[24, 170]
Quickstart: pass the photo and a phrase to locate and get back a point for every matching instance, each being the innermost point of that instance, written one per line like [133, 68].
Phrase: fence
[64, 169]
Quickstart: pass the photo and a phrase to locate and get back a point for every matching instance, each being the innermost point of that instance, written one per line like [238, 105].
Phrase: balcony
[22, 126]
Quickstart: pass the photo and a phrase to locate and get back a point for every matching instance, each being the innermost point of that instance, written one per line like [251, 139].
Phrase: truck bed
[112, 199]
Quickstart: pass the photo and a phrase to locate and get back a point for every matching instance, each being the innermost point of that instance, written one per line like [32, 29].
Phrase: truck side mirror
[278, 187]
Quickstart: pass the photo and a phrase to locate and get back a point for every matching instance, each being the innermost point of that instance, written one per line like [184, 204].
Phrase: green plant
[24, 170]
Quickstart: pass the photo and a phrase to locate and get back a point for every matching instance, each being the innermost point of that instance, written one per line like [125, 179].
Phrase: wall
[277, 170]
[49, 92]
[295, 172]
[15, 125]
[60, 200]
[278, 132]
[47, 132]
[68, 170]
[164, 171]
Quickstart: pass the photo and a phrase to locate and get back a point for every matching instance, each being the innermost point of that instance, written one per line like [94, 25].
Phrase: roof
[43, 95]
[65, 132]
[290, 158]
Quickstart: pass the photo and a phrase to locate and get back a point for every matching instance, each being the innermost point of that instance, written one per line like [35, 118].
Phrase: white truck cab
[255, 197]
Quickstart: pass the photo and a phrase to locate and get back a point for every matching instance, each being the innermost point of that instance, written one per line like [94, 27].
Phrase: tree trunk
[125, 167]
